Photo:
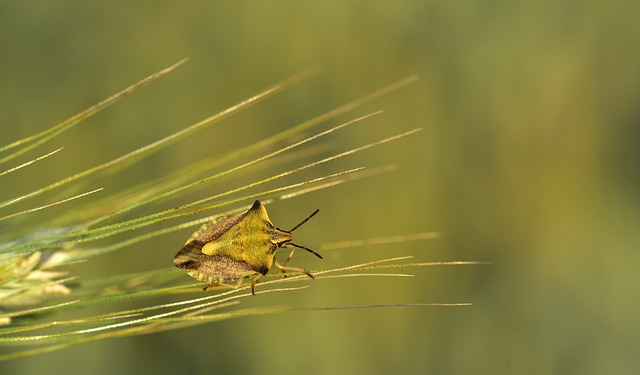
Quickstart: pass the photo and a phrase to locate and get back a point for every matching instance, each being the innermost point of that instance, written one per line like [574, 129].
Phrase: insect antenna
[306, 248]
[298, 226]
[303, 221]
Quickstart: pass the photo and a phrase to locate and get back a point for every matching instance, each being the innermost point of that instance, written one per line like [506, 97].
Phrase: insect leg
[293, 250]
[253, 282]
[291, 268]
[286, 262]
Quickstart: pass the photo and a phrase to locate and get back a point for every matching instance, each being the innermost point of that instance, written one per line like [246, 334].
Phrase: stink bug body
[228, 249]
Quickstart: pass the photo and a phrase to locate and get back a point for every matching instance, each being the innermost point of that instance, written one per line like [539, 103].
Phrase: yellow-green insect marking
[228, 249]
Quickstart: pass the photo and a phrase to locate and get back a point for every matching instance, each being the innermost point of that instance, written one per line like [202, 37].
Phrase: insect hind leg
[286, 268]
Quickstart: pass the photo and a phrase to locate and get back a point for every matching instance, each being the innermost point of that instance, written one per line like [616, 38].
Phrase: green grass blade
[42, 137]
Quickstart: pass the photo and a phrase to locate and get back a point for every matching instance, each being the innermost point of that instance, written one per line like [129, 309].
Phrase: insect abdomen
[212, 269]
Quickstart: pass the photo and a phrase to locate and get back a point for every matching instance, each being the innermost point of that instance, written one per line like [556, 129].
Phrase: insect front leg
[286, 262]
[293, 250]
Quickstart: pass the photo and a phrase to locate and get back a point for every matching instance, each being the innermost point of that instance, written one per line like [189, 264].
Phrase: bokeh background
[528, 159]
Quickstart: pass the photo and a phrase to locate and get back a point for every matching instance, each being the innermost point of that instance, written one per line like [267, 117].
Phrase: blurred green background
[528, 159]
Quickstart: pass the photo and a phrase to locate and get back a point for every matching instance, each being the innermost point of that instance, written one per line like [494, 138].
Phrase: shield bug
[230, 248]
